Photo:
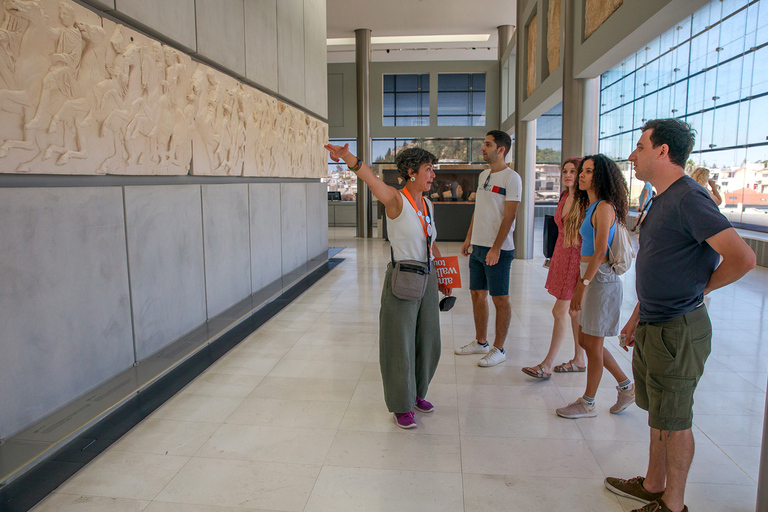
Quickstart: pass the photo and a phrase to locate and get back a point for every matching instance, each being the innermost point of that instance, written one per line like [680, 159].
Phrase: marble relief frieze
[80, 94]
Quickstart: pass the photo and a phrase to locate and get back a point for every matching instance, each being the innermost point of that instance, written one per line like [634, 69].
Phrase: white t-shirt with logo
[494, 190]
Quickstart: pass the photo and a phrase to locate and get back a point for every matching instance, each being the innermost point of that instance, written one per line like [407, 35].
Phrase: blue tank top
[587, 232]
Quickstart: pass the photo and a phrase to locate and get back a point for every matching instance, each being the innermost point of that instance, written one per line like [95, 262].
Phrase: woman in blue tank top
[602, 192]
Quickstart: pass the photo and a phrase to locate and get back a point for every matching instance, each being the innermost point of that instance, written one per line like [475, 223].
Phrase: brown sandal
[569, 367]
[537, 372]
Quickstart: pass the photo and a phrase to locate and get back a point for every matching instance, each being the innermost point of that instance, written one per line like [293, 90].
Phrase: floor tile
[243, 484]
[114, 474]
[166, 437]
[503, 492]
[288, 413]
[396, 450]
[528, 457]
[268, 444]
[73, 503]
[379, 490]
[321, 390]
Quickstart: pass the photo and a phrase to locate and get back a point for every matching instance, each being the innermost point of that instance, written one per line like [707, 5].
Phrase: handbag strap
[428, 238]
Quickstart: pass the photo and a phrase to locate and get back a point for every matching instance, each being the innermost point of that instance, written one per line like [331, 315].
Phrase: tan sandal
[569, 367]
[537, 372]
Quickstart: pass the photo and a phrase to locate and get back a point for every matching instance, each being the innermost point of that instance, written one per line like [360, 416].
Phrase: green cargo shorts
[667, 363]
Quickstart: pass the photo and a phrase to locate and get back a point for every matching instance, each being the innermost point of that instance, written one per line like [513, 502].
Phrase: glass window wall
[710, 70]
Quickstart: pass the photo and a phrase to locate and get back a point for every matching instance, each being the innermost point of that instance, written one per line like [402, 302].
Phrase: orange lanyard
[425, 225]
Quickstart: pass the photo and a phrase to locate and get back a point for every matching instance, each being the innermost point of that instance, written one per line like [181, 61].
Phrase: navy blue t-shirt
[674, 262]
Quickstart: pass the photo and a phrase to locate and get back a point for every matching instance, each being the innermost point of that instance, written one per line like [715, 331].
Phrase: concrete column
[762, 477]
[525, 153]
[525, 161]
[363, 64]
[573, 89]
[505, 33]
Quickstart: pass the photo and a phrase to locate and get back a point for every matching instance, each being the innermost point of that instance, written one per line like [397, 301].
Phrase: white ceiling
[419, 17]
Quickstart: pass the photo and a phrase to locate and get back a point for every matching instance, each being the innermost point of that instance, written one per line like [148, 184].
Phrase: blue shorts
[494, 278]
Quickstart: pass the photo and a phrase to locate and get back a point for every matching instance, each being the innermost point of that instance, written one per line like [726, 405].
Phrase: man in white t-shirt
[490, 235]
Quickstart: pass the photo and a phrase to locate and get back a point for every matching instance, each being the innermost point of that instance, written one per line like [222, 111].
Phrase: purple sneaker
[405, 420]
[423, 406]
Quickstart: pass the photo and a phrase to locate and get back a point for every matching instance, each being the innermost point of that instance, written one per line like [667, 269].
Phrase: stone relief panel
[596, 12]
[531, 76]
[553, 34]
[82, 95]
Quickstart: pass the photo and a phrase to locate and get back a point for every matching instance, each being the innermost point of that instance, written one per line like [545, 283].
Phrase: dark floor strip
[28, 490]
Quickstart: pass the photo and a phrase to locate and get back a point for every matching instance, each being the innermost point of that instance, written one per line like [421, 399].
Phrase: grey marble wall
[261, 42]
[290, 49]
[317, 212]
[227, 245]
[266, 236]
[221, 32]
[65, 319]
[315, 57]
[174, 19]
[293, 219]
[165, 254]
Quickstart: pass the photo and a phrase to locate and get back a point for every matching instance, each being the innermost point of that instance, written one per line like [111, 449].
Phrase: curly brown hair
[609, 185]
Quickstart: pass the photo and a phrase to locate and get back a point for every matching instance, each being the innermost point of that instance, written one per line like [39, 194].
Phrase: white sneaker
[472, 348]
[492, 358]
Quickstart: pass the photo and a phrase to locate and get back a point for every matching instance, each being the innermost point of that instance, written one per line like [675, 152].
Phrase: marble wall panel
[226, 242]
[64, 300]
[261, 42]
[83, 95]
[554, 28]
[266, 238]
[175, 19]
[293, 221]
[290, 49]
[530, 84]
[315, 57]
[165, 254]
[221, 32]
[107, 5]
[317, 218]
[596, 12]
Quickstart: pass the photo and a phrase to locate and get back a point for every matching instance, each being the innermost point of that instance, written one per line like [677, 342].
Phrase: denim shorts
[494, 278]
[667, 363]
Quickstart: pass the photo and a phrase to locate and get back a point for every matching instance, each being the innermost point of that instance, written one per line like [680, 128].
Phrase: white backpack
[620, 251]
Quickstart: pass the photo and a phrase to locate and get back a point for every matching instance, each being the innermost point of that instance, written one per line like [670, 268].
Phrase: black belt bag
[409, 279]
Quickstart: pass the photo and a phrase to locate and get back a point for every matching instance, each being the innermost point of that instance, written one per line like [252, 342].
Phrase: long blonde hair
[572, 219]
[701, 175]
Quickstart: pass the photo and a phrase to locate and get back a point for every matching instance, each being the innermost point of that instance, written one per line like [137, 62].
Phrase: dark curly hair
[609, 185]
[676, 134]
[413, 158]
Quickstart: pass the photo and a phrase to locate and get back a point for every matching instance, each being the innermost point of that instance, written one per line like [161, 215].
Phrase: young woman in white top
[409, 330]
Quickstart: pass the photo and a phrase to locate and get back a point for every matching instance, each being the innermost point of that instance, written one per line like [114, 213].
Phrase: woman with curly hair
[562, 276]
[409, 330]
[598, 295]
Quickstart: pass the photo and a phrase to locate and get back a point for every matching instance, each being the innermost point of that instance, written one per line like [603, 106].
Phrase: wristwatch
[585, 282]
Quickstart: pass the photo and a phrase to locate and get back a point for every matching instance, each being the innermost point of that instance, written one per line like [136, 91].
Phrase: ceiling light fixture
[452, 38]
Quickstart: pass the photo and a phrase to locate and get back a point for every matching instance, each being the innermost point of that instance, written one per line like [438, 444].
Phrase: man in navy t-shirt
[681, 242]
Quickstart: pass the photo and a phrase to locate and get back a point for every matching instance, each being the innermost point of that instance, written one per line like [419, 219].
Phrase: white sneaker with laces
[492, 358]
[472, 348]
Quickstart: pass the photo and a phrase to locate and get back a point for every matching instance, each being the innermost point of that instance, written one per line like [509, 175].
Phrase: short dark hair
[413, 158]
[501, 139]
[676, 134]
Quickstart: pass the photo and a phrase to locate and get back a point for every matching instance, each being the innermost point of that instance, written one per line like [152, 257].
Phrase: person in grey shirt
[681, 243]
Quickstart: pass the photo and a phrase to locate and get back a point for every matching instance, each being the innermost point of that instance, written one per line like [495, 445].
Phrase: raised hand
[337, 152]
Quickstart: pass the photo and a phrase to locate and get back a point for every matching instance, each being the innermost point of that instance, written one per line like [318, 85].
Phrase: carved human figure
[62, 74]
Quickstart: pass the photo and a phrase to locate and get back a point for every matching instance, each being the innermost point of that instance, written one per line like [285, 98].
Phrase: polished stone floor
[293, 418]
